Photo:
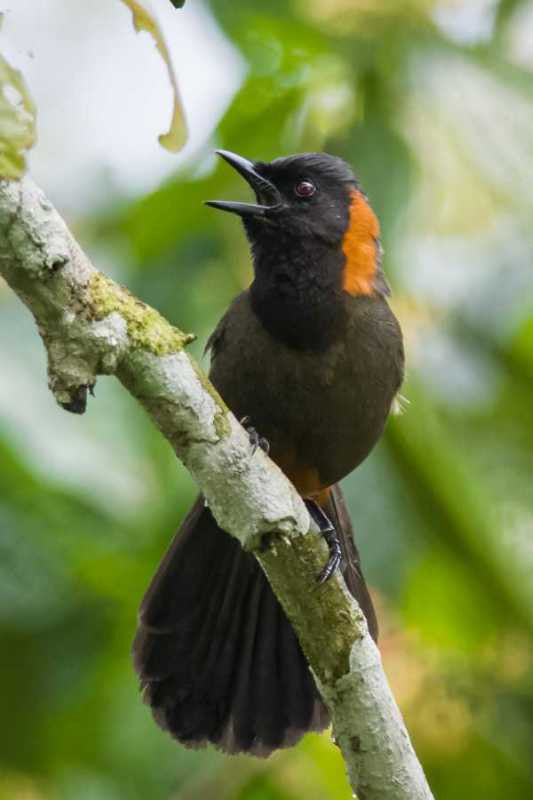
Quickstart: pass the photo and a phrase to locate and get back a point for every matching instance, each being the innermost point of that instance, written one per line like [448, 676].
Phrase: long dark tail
[217, 658]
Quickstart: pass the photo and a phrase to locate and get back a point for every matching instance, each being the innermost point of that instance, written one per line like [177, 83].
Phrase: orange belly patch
[306, 480]
[360, 246]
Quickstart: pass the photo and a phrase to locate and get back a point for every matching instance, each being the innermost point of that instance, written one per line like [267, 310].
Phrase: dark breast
[322, 412]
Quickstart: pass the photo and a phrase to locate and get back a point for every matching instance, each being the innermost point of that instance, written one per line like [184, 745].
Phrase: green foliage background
[439, 132]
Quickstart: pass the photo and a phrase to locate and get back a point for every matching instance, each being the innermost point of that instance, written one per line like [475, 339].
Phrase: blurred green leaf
[17, 122]
[459, 504]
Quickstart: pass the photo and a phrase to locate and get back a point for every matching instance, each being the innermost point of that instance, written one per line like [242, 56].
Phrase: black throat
[297, 290]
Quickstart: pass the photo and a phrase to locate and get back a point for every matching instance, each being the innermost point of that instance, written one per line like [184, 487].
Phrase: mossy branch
[91, 326]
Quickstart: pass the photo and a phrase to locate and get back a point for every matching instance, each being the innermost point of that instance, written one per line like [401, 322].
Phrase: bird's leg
[327, 529]
[256, 440]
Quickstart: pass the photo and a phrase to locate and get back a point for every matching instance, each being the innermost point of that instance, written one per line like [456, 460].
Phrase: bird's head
[312, 201]
[305, 195]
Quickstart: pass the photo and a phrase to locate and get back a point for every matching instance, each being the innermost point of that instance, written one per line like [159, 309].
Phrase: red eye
[305, 189]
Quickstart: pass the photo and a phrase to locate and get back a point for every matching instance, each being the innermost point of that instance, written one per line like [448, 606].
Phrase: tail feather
[299, 685]
[243, 710]
[180, 581]
[225, 638]
[267, 687]
[217, 658]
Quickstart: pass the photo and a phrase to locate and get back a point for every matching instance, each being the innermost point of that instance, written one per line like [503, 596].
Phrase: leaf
[145, 20]
[17, 122]
[178, 3]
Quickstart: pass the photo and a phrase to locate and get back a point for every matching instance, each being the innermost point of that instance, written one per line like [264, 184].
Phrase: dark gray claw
[335, 556]
[329, 533]
[255, 439]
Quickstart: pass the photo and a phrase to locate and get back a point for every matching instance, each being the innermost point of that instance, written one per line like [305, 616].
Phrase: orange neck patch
[360, 246]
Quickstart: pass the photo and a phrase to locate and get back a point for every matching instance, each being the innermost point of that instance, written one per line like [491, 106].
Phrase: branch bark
[91, 326]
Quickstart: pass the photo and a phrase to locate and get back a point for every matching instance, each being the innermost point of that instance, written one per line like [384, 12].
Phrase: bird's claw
[327, 529]
[255, 439]
[335, 555]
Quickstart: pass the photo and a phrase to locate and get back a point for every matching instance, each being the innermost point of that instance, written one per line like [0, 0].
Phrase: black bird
[312, 356]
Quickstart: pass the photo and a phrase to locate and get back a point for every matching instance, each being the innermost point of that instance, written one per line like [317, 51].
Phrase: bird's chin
[272, 216]
[256, 228]
[261, 223]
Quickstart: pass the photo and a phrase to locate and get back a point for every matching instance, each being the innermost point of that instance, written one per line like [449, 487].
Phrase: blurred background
[432, 103]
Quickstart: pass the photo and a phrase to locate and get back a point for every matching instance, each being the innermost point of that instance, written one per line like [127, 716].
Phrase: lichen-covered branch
[91, 326]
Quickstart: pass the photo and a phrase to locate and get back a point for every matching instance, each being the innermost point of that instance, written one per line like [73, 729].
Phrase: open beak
[267, 194]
